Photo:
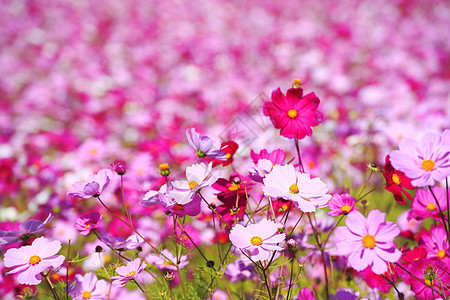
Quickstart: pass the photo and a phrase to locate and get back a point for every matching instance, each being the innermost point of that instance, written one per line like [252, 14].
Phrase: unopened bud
[98, 249]
[281, 228]
[291, 244]
[164, 170]
[373, 167]
[170, 276]
[119, 168]
[210, 264]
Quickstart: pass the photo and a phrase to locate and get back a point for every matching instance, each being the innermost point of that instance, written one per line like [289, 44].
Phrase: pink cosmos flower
[306, 294]
[368, 241]
[432, 274]
[341, 204]
[88, 287]
[203, 146]
[345, 294]
[167, 261]
[424, 205]
[425, 162]
[27, 230]
[294, 113]
[94, 186]
[128, 272]
[306, 193]
[30, 261]
[198, 176]
[257, 240]
[436, 243]
[119, 243]
[88, 222]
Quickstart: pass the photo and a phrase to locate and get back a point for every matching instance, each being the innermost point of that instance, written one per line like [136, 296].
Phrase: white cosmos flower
[198, 176]
[306, 193]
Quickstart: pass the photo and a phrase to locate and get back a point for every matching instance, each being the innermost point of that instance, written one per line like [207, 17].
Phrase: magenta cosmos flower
[30, 261]
[425, 162]
[341, 204]
[257, 240]
[88, 287]
[306, 193]
[433, 275]
[94, 185]
[424, 205]
[294, 113]
[88, 222]
[128, 272]
[368, 241]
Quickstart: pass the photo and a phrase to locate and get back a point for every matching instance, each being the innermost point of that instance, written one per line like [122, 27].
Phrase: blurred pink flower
[294, 113]
[368, 241]
[306, 294]
[31, 260]
[88, 222]
[258, 240]
[167, 261]
[341, 204]
[26, 230]
[128, 272]
[425, 162]
[88, 287]
[306, 193]
[94, 185]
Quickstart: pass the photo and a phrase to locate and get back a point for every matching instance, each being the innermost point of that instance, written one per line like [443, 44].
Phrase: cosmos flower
[94, 185]
[198, 176]
[257, 240]
[424, 205]
[436, 243]
[88, 222]
[204, 146]
[119, 243]
[294, 113]
[368, 241]
[341, 204]
[306, 193]
[432, 276]
[425, 162]
[166, 261]
[396, 182]
[26, 230]
[88, 287]
[229, 148]
[30, 261]
[128, 272]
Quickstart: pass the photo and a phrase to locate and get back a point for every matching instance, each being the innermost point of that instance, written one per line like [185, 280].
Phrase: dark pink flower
[436, 243]
[341, 204]
[433, 274]
[294, 113]
[88, 222]
[424, 205]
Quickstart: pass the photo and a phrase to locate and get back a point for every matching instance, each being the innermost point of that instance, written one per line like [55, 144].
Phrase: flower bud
[291, 244]
[119, 168]
[164, 170]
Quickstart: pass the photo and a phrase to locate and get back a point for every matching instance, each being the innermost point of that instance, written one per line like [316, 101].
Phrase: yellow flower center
[228, 155]
[441, 253]
[131, 273]
[297, 84]
[166, 263]
[368, 241]
[34, 260]
[431, 206]
[86, 295]
[428, 282]
[192, 184]
[396, 179]
[293, 189]
[292, 113]
[164, 166]
[256, 241]
[428, 165]
[93, 151]
[87, 226]
[346, 208]
[234, 187]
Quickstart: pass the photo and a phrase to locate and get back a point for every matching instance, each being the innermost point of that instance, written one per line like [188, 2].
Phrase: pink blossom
[425, 162]
[341, 205]
[30, 261]
[203, 146]
[436, 243]
[128, 272]
[258, 240]
[428, 274]
[94, 185]
[368, 241]
[167, 261]
[424, 205]
[306, 294]
[88, 222]
[27, 230]
[88, 287]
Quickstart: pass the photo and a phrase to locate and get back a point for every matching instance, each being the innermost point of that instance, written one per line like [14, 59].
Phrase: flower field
[224, 149]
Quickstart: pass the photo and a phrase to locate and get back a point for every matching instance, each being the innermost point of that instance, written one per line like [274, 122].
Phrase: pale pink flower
[30, 261]
[368, 241]
[88, 222]
[167, 261]
[204, 146]
[257, 240]
[88, 287]
[94, 185]
[128, 272]
[306, 193]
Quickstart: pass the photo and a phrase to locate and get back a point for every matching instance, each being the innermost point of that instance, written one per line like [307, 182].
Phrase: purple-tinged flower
[341, 205]
[27, 230]
[257, 240]
[88, 222]
[425, 162]
[128, 272]
[345, 294]
[240, 270]
[368, 241]
[198, 176]
[166, 261]
[306, 193]
[192, 208]
[203, 146]
[30, 261]
[306, 294]
[424, 205]
[119, 243]
[88, 287]
[94, 185]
